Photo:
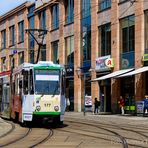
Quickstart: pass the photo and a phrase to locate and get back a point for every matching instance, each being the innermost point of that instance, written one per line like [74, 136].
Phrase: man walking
[96, 105]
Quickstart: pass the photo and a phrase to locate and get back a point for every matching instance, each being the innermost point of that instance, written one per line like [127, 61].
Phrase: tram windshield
[47, 82]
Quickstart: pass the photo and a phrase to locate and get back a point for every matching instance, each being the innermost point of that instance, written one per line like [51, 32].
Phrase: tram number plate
[27, 117]
[47, 104]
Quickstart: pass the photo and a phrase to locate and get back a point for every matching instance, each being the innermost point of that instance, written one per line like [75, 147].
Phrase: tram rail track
[10, 130]
[124, 140]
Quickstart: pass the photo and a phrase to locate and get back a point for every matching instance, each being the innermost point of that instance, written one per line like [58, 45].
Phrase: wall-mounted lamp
[78, 71]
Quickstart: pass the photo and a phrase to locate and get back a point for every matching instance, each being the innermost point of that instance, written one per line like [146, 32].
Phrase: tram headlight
[56, 108]
[38, 108]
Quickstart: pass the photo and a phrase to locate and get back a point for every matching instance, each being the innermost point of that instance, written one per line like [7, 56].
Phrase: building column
[115, 52]
[94, 47]
[139, 48]
[78, 94]
[47, 36]
[61, 32]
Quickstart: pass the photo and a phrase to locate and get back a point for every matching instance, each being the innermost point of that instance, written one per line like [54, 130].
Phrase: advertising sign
[140, 107]
[88, 101]
[104, 63]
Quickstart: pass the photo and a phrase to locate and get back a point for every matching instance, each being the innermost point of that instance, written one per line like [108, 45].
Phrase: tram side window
[31, 82]
[25, 82]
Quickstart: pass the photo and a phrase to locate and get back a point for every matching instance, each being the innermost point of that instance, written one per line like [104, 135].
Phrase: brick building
[98, 40]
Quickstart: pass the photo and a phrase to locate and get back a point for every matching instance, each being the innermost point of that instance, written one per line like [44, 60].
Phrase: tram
[37, 92]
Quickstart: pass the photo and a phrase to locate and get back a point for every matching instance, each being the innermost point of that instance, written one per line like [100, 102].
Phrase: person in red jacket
[121, 103]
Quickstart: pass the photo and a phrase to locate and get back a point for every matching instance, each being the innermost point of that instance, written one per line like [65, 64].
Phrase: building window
[55, 51]
[105, 40]
[11, 61]
[3, 39]
[69, 11]
[127, 32]
[127, 42]
[104, 4]
[86, 8]
[42, 18]
[121, 1]
[21, 58]
[146, 31]
[31, 42]
[55, 16]
[21, 31]
[11, 35]
[3, 64]
[69, 43]
[43, 53]
[86, 45]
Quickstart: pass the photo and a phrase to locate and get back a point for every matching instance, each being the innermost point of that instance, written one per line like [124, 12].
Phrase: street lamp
[80, 73]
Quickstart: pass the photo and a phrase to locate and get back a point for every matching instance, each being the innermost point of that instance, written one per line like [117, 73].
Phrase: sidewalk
[114, 118]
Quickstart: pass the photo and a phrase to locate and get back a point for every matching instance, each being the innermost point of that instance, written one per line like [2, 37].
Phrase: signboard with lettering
[140, 107]
[145, 57]
[104, 63]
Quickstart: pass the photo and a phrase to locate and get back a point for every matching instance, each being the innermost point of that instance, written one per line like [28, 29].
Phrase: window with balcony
[55, 51]
[42, 19]
[12, 35]
[21, 31]
[55, 16]
[127, 41]
[69, 43]
[104, 4]
[105, 40]
[69, 11]
[3, 39]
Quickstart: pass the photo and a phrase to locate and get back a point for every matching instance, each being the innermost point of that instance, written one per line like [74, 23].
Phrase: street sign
[14, 51]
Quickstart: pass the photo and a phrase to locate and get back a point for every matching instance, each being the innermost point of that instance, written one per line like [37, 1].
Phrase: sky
[7, 5]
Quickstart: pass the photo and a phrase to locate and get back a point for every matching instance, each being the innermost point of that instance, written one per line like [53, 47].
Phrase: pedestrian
[121, 103]
[96, 105]
[146, 104]
[67, 104]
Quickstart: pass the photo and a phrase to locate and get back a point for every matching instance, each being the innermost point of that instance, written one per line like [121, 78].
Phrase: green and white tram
[38, 92]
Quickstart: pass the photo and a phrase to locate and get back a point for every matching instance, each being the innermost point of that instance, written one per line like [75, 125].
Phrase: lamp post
[80, 74]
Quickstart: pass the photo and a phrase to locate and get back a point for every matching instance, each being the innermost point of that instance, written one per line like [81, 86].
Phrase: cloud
[7, 5]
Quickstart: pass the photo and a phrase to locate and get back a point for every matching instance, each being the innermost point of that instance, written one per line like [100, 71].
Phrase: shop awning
[113, 74]
[137, 71]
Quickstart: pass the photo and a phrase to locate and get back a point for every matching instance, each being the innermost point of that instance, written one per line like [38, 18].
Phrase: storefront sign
[145, 57]
[104, 63]
[140, 107]
[109, 62]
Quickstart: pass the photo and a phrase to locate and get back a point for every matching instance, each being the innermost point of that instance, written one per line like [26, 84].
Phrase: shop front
[104, 66]
[70, 85]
